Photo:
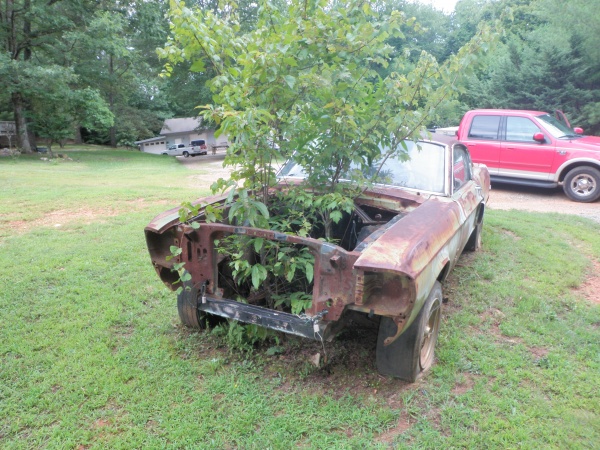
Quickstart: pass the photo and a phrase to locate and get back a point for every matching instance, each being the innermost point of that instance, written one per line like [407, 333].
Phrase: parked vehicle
[393, 251]
[198, 143]
[534, 148]
[174, 150]
[186, 151]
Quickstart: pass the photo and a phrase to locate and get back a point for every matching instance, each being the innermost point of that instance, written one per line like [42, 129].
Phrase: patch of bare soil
[493, 317]
[62, 217]
[401, 426]
[591, 288]
[465, 385]
[347, 365]
[538, 352]
[209, 167]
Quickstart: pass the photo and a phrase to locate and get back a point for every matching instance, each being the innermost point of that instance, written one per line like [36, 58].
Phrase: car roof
[439, 138]
[508, 111]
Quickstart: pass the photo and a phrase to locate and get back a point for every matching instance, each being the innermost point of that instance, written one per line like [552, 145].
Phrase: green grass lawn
[92, 354]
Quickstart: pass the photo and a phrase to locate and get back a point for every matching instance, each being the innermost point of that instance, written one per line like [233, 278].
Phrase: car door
[465, 191]
[483, 140]
[521, 155]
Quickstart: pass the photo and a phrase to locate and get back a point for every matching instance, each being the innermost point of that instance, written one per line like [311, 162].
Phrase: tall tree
[543, 61]
[307, 79]
[26, 26]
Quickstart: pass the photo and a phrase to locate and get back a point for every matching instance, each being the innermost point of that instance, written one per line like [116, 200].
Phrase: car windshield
[556, 128]
[424, 171]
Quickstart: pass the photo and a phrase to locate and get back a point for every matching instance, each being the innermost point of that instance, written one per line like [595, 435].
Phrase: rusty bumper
[299, 325]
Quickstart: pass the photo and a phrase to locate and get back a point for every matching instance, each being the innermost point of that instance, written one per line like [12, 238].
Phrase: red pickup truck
[534, 148]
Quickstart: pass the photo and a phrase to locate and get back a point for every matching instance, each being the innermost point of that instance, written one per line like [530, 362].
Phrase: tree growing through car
[315, 82]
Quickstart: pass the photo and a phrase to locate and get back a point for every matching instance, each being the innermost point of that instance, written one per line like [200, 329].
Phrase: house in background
[181, 131]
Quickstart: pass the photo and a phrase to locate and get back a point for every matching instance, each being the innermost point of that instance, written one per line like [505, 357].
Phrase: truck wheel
[413, 352]
[186, 154]
[582, 184]
[187, 306]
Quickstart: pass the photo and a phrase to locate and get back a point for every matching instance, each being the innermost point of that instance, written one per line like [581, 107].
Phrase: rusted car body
[405, 241]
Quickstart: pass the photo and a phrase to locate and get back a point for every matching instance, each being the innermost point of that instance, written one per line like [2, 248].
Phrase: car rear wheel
[186, 154]
[582, 184]
[414, 351]
[475, 241]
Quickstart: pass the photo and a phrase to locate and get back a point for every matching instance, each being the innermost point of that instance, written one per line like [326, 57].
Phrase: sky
[445, 5]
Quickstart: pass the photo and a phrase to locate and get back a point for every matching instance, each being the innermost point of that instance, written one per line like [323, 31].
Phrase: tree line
[89, 70]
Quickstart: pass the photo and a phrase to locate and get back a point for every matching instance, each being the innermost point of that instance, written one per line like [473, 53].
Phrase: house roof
[157, 138]
[181, 125]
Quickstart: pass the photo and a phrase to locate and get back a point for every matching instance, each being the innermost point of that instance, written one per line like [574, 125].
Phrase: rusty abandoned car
[387, 259]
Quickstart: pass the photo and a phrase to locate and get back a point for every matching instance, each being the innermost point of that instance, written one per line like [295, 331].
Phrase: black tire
[187, 307]
[582, 184]
[475, 241]
[414, 351]
[186, 154]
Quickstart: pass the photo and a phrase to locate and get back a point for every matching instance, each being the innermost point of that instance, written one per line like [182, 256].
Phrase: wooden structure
[8, 131]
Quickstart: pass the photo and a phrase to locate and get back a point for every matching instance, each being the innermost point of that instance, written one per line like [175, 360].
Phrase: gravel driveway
[504, 196]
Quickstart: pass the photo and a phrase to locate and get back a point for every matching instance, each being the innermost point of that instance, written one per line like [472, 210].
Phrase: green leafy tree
[58, 112]
[305, 79]
[317, 82]
[543, 62]
[28, 28]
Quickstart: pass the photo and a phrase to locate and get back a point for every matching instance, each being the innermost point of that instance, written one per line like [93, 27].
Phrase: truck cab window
[520, 129]
[485, 127]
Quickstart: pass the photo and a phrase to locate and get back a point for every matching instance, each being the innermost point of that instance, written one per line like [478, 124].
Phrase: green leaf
[262, 209]
[290, 80]
[197, 66]
[309, 272]
[336, 216]
[259, 274]
[258, 244]
[186, 276]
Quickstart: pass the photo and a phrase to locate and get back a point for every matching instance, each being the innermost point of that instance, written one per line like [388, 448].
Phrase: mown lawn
[92, 355]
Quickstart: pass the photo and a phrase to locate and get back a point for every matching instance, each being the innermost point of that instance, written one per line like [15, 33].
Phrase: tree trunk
[78, 138]
[111, 101]
[22, 135]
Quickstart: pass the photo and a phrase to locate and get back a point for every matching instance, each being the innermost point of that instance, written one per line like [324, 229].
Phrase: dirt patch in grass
[465, 385]
[401, 426]
[347, 366]
[494, 317]
[590, 289]
[87, 215]
[539, 352]
[511, 235]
